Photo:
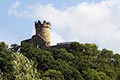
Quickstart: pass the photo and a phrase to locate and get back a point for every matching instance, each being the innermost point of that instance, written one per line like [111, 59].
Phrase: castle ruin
[42, 37]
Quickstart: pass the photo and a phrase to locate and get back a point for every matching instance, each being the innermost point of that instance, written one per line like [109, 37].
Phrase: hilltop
[79, 62]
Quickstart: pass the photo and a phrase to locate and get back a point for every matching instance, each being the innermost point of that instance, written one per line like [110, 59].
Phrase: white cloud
[13, 8]
[87, 22]
[55, 38]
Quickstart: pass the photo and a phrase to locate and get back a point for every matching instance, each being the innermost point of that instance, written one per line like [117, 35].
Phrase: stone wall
[43, 30]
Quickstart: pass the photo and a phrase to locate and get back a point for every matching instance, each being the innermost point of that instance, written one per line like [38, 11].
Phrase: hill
[79, 62]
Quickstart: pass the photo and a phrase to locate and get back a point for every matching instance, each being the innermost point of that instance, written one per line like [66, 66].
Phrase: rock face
[42, 37]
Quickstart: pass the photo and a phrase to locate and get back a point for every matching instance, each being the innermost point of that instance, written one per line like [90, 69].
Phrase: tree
[111, 74]
[79, 62]
[3, 46]
[15, 47]
[107, 54]
[53, 74]
[90, 49]
[91, 74]
[103, 76]
[23, 69]
[62, 54]
[76, 46]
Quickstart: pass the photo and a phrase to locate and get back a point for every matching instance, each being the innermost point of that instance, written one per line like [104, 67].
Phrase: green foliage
[15, 47]
[79, 62]
[62, 54]
[53, 74]
[15, 66]
[76, 46]
[3, 46]
[103, 76]
[23, 69]
[91, 74]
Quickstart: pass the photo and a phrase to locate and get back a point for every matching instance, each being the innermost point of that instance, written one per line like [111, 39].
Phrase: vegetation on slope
[79, 62]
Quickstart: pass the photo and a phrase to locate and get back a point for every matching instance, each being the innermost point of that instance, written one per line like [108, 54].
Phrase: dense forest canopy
[79, 62]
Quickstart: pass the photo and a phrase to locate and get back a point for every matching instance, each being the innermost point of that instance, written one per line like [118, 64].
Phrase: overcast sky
[86, 21]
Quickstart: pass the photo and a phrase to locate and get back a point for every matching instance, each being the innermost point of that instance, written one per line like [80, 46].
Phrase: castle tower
[43, 30]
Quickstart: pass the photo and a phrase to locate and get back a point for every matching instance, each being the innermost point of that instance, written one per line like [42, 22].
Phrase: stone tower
[41, 39]
[43, 30]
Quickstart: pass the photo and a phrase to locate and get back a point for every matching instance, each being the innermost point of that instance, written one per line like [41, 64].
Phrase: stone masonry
[42, 37]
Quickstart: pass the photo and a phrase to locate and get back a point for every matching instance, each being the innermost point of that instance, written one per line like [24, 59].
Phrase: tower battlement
[45, 24]
[42, 25]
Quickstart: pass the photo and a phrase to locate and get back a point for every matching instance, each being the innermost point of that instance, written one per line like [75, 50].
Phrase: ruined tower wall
[45, 33]
[43, 30]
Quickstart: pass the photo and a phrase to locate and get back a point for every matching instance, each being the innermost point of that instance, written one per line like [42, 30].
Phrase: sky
[85, 21]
